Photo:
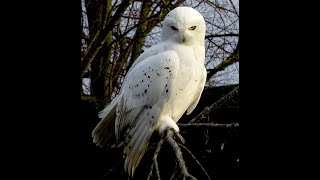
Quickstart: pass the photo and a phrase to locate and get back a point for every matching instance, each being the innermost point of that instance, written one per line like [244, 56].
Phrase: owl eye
[192, 28]
[174, 28]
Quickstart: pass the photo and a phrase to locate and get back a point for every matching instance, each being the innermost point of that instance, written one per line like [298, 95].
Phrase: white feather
[162, 84]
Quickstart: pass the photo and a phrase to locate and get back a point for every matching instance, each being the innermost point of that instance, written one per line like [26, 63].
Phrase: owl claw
[179, 136]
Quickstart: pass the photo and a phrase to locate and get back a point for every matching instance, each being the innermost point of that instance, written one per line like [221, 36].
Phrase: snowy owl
[163, 83]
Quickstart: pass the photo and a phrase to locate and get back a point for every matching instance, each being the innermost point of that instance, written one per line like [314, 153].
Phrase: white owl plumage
[163, 83]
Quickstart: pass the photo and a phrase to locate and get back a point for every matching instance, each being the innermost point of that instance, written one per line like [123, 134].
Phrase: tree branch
[195, 160]
[116, 18]
[221, 35]
[210, 125]
[178, 153]
[205, 113]
[155, 162]
[174, 172]
[88, 98]
[234, 57]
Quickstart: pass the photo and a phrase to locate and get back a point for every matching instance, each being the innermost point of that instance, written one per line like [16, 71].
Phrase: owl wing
[198, 92]
[146, 89]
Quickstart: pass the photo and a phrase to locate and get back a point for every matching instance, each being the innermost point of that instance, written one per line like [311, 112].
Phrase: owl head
[184, 25]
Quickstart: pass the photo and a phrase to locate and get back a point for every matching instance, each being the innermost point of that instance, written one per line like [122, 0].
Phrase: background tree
[116, 32]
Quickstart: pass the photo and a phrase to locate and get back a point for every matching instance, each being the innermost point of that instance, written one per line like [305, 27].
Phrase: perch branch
[204, 114]
[195, 160]
[155, 162]
[178, 153]
[157, 168]
[210, 125]
[174, 172]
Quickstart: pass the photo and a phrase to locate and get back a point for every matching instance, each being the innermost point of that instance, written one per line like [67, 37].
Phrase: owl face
[184, 25]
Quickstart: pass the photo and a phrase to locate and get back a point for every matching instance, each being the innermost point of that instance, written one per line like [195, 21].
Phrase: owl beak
[182, 35]
[183, 38]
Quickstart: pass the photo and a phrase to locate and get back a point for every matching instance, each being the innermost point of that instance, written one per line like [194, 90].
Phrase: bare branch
[209, 125]
[195, 160]
[221, 7]
[221, 35]
[178, 153]
[233, 58]
[234, 8]
[88, 98]
[205, 113]
[174, 171]
[155, 162]
[116, 17]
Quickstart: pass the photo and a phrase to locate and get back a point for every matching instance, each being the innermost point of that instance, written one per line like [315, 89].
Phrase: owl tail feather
[103, 133]
[136, 146]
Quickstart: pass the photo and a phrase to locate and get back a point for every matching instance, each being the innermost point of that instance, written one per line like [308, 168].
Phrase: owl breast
[187, 81]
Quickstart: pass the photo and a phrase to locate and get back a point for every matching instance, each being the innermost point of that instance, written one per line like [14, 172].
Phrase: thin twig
[174, 171]
[178, 154]
[181, 145]
[155, 158]
[151, 170]
[113, 168]
[210, 125]
[155, 163]
[204, 114]
[222, 35]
